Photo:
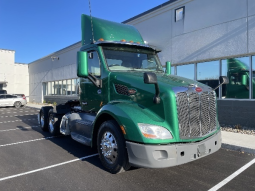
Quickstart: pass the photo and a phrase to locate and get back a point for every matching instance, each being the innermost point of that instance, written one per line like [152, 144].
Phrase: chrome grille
[196, 113]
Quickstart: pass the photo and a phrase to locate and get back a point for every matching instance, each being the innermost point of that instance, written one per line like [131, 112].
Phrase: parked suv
[12, 100]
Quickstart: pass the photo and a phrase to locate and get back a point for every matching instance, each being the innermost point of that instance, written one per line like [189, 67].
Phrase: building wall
[209, 30]
[47, 70]
[15, 74]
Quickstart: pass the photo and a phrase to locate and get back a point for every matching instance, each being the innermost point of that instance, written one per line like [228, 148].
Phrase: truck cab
[133, 112]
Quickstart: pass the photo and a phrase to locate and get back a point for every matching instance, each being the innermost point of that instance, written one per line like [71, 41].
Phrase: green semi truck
[133, 112]
[238, 74]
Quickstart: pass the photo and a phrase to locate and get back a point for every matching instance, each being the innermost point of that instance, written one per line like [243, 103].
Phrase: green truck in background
[238, 74]
[133, 112]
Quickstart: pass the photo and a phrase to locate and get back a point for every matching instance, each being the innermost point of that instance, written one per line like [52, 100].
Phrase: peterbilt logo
[198, 89]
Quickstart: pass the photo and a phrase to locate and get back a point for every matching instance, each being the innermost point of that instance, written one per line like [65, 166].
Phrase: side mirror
[168, 67]
[151, 78]
[223, 80]
[82, 64]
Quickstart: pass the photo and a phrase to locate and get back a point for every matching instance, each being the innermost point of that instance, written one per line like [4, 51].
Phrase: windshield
[130, 58]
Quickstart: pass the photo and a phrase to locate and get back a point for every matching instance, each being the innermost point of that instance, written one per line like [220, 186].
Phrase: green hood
[121, 81]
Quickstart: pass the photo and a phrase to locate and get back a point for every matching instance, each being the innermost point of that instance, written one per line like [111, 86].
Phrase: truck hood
[166, 82]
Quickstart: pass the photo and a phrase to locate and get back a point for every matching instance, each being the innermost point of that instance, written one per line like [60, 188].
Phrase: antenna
[91, 22]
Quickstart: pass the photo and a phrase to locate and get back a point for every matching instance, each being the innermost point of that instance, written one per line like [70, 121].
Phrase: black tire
[17, 104]
[44, 119]
[53, 123]
[117, 161]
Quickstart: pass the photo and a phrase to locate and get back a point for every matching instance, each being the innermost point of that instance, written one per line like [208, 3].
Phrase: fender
[128, 114]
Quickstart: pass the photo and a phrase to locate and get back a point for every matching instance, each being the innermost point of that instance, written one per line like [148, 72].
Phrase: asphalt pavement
[35, 160]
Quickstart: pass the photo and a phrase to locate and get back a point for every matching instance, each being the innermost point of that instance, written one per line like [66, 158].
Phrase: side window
[2, 96]
[93, 63]
[8, 96]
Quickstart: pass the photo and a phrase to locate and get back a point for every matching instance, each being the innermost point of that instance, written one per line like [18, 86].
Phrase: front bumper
[161, 156]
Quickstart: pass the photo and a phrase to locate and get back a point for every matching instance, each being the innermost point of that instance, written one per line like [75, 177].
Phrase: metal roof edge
[57, 51]
[150, 10]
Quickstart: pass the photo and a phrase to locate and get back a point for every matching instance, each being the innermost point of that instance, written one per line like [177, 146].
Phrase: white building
[14, 77]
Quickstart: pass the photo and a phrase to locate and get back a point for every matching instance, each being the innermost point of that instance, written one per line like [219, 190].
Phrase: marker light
[101, 39]
[154, 131]
[123, 40]
[138, 43]
[131, 41]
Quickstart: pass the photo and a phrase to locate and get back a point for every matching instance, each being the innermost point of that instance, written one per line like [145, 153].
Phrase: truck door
[91, 96]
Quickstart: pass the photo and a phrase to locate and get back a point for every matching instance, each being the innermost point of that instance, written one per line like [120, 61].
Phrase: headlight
[154, 132]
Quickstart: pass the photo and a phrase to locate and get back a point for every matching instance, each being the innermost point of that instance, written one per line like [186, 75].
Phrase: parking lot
[34, 160]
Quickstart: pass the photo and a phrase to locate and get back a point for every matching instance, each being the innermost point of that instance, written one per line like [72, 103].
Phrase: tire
[17, 104]
[111, 147]
[53, 124]
[43, 120]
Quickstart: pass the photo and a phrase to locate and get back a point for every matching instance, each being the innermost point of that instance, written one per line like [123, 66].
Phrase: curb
[237, 148]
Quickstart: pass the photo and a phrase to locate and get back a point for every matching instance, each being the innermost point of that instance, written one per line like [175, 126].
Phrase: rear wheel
[112, 148]
[54, 123]
[17, 104]
[43, 118]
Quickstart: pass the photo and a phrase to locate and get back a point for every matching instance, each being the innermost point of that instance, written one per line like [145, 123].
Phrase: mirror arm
[156, 98]
[97, 82]
[218, 86]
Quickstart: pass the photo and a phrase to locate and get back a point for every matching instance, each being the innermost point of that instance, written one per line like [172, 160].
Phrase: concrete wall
[210, 30]
[15, 74]
[46, 70]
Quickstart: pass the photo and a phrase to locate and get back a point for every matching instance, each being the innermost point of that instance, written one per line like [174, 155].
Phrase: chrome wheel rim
[51, 126]
[109, 147]
[42, 120]
[18, 104]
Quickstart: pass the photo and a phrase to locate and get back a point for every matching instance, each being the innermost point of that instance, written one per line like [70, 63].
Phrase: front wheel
[112, 147]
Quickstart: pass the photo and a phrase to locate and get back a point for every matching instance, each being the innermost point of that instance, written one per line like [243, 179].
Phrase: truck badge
[198, 89]
[99, 91]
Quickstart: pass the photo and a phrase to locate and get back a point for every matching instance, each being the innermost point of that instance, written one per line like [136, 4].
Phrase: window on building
[73, 87]
[64, 87]
[59, 88]
[49, 88]
[237, 70]
[78, 86]
[52, 88]
[179, 13]
[208, 73]
[68, 87]
[172, 70]
[93, 63]
[186, 71]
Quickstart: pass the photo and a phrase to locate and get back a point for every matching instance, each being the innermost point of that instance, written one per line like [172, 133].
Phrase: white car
[12, 100]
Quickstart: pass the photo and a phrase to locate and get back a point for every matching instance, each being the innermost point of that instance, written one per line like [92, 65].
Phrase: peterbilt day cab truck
[133, 112]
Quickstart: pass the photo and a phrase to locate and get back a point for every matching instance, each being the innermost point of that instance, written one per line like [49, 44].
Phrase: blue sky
[36, 28]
